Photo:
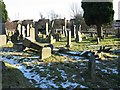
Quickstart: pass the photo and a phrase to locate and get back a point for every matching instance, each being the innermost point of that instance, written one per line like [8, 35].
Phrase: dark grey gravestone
[119, 71]
[91, 67]
[73, 30]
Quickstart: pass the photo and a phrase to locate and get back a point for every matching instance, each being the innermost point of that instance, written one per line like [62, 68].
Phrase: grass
[13, 78]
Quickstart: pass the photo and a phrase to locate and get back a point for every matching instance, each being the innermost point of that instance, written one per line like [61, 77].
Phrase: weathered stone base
[19, 46]
[3, 40]
[45, 52]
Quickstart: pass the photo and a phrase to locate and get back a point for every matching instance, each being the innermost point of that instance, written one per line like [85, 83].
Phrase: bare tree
[53, 15]
[41, 16]
[77, 15]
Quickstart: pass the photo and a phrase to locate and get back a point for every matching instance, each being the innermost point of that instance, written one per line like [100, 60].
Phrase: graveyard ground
[64, 69]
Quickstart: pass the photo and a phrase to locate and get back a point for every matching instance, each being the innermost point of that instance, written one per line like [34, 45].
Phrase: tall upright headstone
[91, 67]
[118, 68]
[32, 34]
[65, 23]
[63, 30]
[46, 28]
[19, 28]
[23, 31]
[78, 37]
[73, 31]
[68, 38]
[52, 28]
[28, 30]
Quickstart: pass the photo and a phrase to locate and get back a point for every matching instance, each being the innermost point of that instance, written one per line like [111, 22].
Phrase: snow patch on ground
[63, 74]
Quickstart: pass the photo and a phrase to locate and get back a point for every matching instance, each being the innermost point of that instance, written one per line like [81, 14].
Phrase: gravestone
[19, 29]
[91, 67]
[57, 37]
[14, 37]
[32, 34]
[65, 27]
[52, 28]
[118, 67]
[51, 39]
[46, 29]
[68, 39]
[44, 52]
[28, 30]
[78, 37]
[19, 46]
[23, 31]
[98, 40]
[63, 30]
[73, 30]
[2, 28]
[3, 40]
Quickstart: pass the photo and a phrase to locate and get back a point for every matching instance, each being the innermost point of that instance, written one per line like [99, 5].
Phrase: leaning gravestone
[91, 67]
[68, 39]
[44, 52]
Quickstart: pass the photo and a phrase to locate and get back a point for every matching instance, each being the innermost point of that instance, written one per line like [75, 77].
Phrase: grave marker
[68, 39]
[32, 34]
[78, 37]
[91, 67]
[46, 29]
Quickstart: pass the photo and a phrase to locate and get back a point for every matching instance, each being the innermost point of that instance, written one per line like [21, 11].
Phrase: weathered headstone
[68, 39]
[118, 70]
[2, 28]
[45, 52]
[73, 30]
[1, 74]
[52, 28]
[23, 31]
[19, 29]
[3, 40]
[57, 37]
[28, 30]
[32, 34]
[78, 37]
[46, 29]
[65, 24]
[91, 67]
[14, 37]
[51, 39]
[98, 40]
[19, 46]
[63, 30]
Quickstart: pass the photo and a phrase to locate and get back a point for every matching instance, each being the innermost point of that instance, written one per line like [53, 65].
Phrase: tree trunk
[99, 31]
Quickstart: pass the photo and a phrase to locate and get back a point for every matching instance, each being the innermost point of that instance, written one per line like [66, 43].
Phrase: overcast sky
[31, 9]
